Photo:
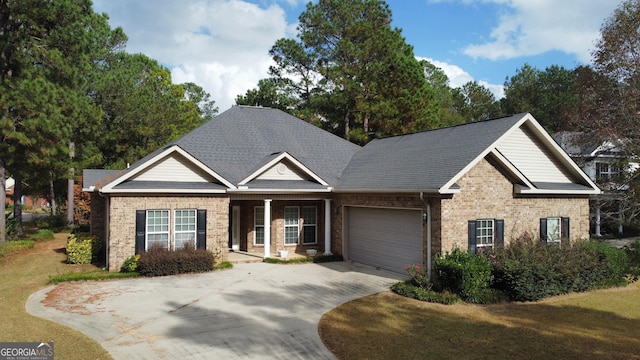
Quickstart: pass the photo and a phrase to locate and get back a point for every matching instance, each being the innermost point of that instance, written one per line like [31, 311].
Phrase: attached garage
[385, 238]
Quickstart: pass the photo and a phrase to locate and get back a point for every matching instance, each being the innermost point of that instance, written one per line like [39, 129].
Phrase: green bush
[530, 270]
[465, 274]
[82, 248]
[410, 290]
[52, 221]
[161, 262]
[130, 264]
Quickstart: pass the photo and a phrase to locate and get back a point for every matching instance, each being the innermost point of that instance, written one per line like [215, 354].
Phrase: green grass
[92, 275]
[603, 324]
[26, 271]
[15, 246]
[223, 265]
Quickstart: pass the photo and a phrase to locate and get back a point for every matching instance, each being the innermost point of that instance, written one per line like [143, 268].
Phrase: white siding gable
[283, 170]
[532, 158]
[173, 167]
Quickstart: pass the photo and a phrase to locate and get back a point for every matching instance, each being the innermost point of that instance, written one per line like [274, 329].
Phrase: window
[157, 227]
[485, 234]
[309, 225]
[152, 229]
[185, 228]
[291, 225]
[258, 230]
[606, 171]
[554, 229]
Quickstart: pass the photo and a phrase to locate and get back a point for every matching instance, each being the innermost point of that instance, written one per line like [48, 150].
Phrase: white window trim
[194, 231]
[297, 225]
[314, 225]
[479, 238]
[147, 232]
[256, 226]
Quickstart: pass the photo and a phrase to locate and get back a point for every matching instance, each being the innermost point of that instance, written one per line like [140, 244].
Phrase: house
[258, 180]
[24, 200]
[608, 165]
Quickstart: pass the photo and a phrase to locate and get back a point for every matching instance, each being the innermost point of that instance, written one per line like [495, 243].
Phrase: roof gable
[433, 161]
[166, 170]
[282, 167]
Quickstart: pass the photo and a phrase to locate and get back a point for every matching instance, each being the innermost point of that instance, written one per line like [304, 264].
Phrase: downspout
[428, 238]
[107, 225]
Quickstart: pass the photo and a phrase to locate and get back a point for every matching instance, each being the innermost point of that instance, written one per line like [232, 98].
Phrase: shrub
[160, 261]
[410, 290]
[615, 263]
[130, 264]
[419, 276]
[52, 221]
[465, 274]
[82, 248]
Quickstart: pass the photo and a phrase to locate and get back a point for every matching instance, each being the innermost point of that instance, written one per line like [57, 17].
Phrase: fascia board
[276, 160]
[162, 191]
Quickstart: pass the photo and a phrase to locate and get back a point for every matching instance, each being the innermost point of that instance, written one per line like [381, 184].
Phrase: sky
[223, 45]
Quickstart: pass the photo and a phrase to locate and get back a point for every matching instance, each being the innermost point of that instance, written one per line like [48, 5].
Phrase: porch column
[598, 220]
[267, 228]
[327, 227]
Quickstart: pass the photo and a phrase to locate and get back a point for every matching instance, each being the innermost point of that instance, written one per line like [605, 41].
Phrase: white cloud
[527, 27]
[221, 45]
[458, 77]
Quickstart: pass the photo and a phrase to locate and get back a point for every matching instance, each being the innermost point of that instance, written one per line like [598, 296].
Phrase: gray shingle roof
[237, 142]
[90, 177]
[422, 161]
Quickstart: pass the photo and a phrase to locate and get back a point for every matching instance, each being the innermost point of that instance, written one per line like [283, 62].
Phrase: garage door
[385, 238]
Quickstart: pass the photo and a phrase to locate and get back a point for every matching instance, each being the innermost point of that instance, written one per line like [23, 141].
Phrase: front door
[235, 228]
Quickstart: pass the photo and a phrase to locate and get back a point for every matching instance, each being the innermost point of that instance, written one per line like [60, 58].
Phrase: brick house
[258, 180]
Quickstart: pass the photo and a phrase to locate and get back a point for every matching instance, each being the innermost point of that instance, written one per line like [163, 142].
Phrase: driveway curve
[253, 311]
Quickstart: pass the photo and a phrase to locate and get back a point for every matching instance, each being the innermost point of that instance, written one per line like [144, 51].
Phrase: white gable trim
[278, 159]
[565, 160]
[109, 187]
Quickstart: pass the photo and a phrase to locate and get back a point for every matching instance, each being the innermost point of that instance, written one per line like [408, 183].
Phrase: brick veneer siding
[123, 222]
[487, 194]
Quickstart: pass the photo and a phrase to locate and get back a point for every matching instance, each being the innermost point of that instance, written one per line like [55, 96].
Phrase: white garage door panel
[386, 238]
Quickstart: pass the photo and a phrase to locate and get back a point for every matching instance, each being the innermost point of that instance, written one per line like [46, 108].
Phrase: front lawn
[603, 324]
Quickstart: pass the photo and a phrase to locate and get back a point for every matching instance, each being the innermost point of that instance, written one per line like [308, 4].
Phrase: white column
[598, 220]
[327, 227]
[267, 228]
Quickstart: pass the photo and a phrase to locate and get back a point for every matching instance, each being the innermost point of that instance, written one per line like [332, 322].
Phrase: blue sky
[222, 45]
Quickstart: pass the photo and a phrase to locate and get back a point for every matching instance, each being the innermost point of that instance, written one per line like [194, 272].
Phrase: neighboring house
[24, 200]
[259, 180]
[603, 163]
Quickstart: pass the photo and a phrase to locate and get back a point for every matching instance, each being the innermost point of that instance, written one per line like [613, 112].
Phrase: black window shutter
[564, 237]
[472, 236]
[201, 236]
[141, 223]
[543, 229]
[498, 236]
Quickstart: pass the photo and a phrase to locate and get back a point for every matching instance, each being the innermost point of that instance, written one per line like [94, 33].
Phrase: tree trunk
[52, 195]
[346, 125]
[3, 200]
[17, 205]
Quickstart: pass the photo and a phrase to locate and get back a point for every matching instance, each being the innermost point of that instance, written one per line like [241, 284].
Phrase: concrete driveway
[255, 311]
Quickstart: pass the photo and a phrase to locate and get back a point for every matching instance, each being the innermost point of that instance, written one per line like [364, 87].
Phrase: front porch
[241, 257]
[267, 227]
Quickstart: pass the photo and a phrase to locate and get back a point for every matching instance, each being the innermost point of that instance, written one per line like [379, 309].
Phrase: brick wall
[486, 193]
[123, 222]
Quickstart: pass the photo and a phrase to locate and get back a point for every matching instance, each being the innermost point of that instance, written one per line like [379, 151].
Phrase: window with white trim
[157, 229]
[606, 171]
[185, 228]
[309, 225]
[484, 233]
[258, 227]
[291, 225]
[554, 229]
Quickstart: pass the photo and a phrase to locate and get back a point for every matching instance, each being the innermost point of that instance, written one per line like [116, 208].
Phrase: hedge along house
[259, 180]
